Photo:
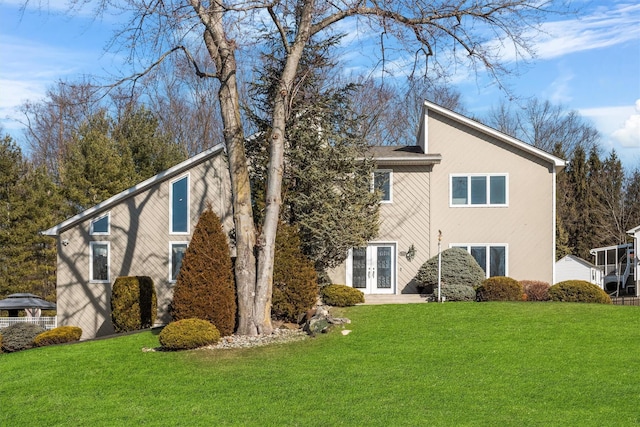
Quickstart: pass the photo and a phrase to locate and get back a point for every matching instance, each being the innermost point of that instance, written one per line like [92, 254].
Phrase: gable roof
[423, 132]
[578, 260]
[136, 189]
[634, 230]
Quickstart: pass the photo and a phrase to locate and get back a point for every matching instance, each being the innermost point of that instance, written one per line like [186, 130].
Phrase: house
[485, 191]
[571, 267]
[635, 233]
[488, 193]
[143, 231]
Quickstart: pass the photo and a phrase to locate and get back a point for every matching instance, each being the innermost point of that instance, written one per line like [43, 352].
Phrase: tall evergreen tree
[327, 175]
[29, 203]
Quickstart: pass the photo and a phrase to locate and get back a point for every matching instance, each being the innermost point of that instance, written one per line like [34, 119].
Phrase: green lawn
[493, 364]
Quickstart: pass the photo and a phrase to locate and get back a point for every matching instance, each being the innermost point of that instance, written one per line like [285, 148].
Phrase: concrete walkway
[394, 299]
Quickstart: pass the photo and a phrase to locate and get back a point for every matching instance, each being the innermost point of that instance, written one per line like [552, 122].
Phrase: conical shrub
[205, 288]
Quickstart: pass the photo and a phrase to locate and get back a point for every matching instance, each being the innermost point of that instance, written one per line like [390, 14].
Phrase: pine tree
[327, 176]
[29, 203]
[205, 287]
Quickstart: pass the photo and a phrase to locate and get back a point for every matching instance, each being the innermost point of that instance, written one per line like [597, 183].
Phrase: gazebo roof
[24, 301]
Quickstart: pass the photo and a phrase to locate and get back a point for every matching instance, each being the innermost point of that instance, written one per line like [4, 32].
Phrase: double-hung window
[176, 254]
[179, 206]
[491, 257]
[99, 262]
[479, 190]
[382, 182]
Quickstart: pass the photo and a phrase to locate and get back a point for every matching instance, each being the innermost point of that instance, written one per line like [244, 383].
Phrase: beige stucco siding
[525, 226]
[139, 242]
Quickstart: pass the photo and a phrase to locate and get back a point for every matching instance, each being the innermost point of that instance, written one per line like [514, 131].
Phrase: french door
[373, 268]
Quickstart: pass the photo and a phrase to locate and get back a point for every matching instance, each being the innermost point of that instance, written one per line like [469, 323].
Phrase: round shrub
[499, 288]
[133, 303]
[578, 291]
[205, 288]
[460, 275]
[295, 282]
[535, 290]
[341, 295]
[59, 335]
[20, 336]
[187, 334]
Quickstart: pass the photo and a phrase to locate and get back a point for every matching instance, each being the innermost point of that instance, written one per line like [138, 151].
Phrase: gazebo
[32, 305]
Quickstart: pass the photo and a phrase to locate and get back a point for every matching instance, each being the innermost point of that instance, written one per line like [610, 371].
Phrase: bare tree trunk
[222, 52]
[264, 279]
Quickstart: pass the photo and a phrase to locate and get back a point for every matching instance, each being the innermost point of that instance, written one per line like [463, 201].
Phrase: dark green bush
[295, 282]
[460, 275]
[205, 288]
[341, 295]
[20, 336]
[187, 334]
[499, 288]
[535, 290]
[133, 303]
[59, 335]
[578, 291]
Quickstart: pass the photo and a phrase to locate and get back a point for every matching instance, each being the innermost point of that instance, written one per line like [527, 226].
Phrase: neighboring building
[635, 233]
[485, 191]
[142, 231]
[572, 267]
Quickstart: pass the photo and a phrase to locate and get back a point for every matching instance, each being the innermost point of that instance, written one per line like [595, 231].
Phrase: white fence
[44, 321]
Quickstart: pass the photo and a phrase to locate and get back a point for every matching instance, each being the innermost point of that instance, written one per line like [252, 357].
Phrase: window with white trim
[99, 262]
[100, 226]
[179, 206]
[382, 181]
[491, 257]
[479, 190]
[176, 254]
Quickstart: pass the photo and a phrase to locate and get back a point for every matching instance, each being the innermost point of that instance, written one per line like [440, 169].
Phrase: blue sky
[589, 63]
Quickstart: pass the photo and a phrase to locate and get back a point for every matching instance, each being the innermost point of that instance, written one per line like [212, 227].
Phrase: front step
[394, 299]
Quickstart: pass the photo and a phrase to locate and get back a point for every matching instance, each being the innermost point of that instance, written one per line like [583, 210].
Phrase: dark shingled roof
[402, 155]
[22, 301]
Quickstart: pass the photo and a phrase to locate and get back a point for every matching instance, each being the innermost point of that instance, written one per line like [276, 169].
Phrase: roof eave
[138, 188]
[557, 162]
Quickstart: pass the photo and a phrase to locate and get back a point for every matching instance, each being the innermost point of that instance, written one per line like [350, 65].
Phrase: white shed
[635, 233]
[572, 267]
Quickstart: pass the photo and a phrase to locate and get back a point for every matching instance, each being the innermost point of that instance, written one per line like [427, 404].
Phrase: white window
[176, 254]
[382, 181]
[479, 190]
[100, 226]
[99, 262]
[179, 206]
[491, 257]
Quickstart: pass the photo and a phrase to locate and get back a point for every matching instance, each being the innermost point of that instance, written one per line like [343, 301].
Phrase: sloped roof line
[556, 161]
[142, 186]
[580, 260]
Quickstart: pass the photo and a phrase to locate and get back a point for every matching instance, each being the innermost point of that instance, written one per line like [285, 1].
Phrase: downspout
[553, 230]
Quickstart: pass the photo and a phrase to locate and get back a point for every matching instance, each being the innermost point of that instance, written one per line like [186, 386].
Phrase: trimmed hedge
[59, 335]
[187, 334]
[535, 290]
[133, 303]
[20, 336]
[499, 288]
[295, 281]
[341, 295]
[578, 291]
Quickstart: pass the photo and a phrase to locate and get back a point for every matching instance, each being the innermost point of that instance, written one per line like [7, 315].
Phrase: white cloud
[629, 134]
[603, 27]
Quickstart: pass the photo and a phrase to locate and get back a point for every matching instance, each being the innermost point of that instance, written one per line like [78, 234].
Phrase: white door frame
[372, 269]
